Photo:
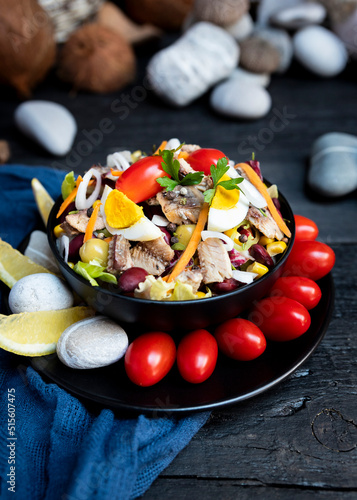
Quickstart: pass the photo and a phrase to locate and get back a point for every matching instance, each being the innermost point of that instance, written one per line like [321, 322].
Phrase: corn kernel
[265, 241]
[276, 248]
[97, 202]
[200, 295]
[258, 268]
[231, 232]
[58, 231]
[70, 264]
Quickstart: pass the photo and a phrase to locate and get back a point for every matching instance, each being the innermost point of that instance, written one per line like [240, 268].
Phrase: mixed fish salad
[183, 223]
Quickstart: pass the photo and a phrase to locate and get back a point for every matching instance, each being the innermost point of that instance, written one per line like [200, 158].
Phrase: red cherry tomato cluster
[280, 317]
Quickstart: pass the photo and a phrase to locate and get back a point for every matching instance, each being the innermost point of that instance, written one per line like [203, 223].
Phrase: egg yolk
[121, 212]
[225, 199]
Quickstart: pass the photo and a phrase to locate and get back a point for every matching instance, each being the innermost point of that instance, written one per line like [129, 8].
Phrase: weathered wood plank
[242, 489]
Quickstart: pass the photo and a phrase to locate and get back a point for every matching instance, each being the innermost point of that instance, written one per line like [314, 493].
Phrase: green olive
[95, 249]
[184, 233]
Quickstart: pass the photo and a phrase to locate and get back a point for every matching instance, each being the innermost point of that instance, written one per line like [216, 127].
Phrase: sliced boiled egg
[123, 216]
[227, 210]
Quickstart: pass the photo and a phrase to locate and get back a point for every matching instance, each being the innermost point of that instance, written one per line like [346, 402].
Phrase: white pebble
[240, 100]
[242, 28]
[244, 76]
[267, 8]
[185, 70]
[299, 16]
[92, 343]
[40, 292]
[320, 51]
[48, 123]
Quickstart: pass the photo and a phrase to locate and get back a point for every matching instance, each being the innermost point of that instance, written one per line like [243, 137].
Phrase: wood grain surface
[299, 440]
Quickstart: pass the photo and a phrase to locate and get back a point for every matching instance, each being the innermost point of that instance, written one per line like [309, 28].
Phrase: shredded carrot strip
[67, 202]
[255, 180]
[91, 223]
[192, 244]
[162, 146]
[71, 196]
[109, 239]
[183, 155]
[116, 173]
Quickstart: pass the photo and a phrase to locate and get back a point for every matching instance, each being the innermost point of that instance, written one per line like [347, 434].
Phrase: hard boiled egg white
[140, 228]
[228, 209]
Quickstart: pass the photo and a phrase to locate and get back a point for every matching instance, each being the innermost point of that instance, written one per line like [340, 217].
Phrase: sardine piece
[182, 205]
[214, 261]
[80, 221]
[153, 256]
[191, 277]
[119, 258]
[265, 224]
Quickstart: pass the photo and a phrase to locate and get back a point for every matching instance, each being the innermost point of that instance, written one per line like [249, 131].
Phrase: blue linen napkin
[62, 451]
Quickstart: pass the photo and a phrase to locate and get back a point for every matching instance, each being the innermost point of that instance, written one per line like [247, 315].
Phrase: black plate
[231, 382]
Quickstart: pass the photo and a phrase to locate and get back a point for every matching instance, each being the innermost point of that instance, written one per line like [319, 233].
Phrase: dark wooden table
[265, 447]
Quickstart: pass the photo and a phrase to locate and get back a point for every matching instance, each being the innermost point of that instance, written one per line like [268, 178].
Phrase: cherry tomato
[311, 259]
[299, 288]
[305, 229]
[202, 159]
[139, 181]
[280, 318]
[197, 356]
[149, 358]
[240, 339]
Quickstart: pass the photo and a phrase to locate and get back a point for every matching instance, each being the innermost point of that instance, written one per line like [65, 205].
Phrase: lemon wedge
[14, 265]
[37, 333]
[43, 199]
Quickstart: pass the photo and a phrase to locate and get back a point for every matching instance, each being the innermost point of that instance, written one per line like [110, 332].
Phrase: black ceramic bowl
[181, 315]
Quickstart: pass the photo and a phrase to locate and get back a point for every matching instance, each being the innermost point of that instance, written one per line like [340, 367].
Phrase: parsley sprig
[172, 167]
[217, 172]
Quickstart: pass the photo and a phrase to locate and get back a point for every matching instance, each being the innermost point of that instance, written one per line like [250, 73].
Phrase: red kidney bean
[276, 203]
[131, 278]
[228, 285]
[74, 246]
[261, 255]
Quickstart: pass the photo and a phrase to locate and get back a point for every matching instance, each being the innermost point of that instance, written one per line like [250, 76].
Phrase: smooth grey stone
[48, 123]
[333, 165]
[299, 16]
[92, 343]
[40, 292]
[279, 39]
[242, 28]
[244, 76]
[184, 71]
[320, 51]
[240, 100]
[267, 8]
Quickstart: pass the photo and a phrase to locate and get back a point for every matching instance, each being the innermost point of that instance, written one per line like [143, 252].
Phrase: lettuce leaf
[68, 184]
[92, 271]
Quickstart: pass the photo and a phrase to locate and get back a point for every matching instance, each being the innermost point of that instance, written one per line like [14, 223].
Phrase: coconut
[166, 14]
[259, 56]
[221, 12]
[111, 16]
[27, 44]
[97, 59]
